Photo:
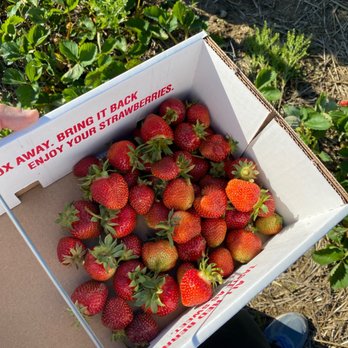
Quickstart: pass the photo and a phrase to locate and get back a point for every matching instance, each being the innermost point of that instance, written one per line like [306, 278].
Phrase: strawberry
[200, 169]
[77, 219]
[192, 250]
[180, 227]
[165, 169]
[198, 112]
[184, 155]
[156, 294]
[159, 255]
[102, 260]
[178, 194]
[118, 156]
[141, 198]
[173, 110]
[131, 177]
[241, 168]
[157, 136]
[183, 267]
[81, 168]
[157, 214]
[196, 286]
[222, 258]
[122, 282]
[236, 220]
[133, 243]
[243, 245]
[117, 315]
[269, 225]
[214, 231]
[215, 148]
[90, 297]
[243, 194]
[209, 180]
[265, 206]
[142, 329]
[70, 251]
[188, 137]
[211, 203]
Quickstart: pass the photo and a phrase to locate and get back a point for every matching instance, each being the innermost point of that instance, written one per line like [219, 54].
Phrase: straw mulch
[304, 287]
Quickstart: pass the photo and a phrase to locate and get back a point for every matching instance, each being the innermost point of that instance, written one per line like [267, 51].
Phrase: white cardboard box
[306, 194]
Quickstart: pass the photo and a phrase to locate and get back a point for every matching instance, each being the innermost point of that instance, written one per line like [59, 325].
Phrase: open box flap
[200, 322]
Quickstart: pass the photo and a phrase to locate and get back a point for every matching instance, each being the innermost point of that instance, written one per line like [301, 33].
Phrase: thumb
[15, 118]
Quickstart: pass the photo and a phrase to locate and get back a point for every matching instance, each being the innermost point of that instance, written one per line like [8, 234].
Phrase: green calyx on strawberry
[69, 215]
[185, 166]
[217, 169]
[71, 251]
[154, 149]
[166, 228]
[245, 169]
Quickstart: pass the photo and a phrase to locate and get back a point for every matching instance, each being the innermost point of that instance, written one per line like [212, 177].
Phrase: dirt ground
[304, 287]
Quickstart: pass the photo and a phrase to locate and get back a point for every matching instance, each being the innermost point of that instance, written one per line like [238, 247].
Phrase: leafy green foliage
[335, 254]
[284, 58]
[51, 51]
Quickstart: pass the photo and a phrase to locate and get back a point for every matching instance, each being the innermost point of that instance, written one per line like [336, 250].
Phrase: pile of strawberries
[203, 209]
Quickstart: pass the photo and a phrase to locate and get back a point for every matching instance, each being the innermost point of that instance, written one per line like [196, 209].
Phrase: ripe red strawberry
[117, 315]
[70, 251]
[81, 168]
[183, 267]
[236, 220]
[180, 227]
[122, 282]
[157, 214]
[142, 329]
[185, 155]
[118, 155]
[192, 250]
[119, 223]
[178, 194]
[241, 168]
[141, 198]
[173, 110]
[214, 231]
[156, 294]
[159, 255]
[77, 219]
[133, 243]
[222, 258]
[211, 203]
[131, 177]
[269, 225]
[200, 169]
[90, 297]
[196, 286]
[198, 112]
[215, 148]
[188, 137]
[165, 169]
[102, 260]
[243, 194]
[243, 245]
[111, 191]
[209, 180]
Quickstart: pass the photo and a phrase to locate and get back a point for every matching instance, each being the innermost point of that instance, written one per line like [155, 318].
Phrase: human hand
[15, 118]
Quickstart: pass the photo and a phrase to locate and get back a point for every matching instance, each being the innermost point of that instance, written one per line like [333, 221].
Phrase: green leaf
[37, 35]
[33, 70]
[153, 12]
[88, 54]
[71, 4]
[328, 255]
[318, 122]
[343, 152]
[113, 69]
[291, 110]
[339, 276]
[344, 166]
[10, 51]
[26, 95]
[94, 78]
[325, 157]
[272, 94]
[69, 49]
[109, 45]
[72, 74]
[179, 11]
[337, 234]
[13, 77]
[72, 93]
[121, 45]
[132, 63]
[265, 77]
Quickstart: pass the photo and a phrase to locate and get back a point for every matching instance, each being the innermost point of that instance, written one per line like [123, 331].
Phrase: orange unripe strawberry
[243, 245]
[214, 231]
[269, 225]
[211, 203]
[159, 256]
[178, 194]
[243, 194]
[223, 260]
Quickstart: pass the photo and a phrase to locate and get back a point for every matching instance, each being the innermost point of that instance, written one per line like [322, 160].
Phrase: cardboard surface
[308, 201]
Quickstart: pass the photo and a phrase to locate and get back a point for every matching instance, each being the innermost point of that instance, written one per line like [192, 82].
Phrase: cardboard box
[34, 171]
